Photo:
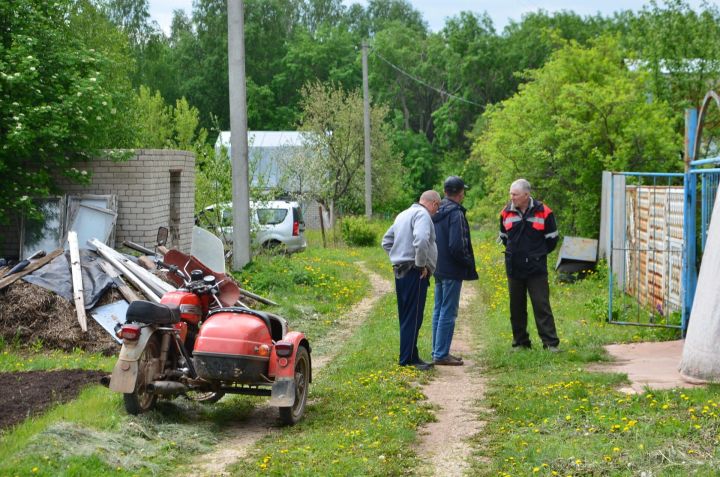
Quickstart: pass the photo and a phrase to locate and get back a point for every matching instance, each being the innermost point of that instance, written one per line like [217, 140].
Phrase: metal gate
[646, 253]
[654, 235]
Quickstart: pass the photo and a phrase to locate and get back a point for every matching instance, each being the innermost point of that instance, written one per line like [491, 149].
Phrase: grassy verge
[553, 417]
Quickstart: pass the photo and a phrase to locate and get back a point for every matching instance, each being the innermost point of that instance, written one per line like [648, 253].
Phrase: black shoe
[517, 348]
[420, 365]
[423, 366]
[420, 361]
[447, 361]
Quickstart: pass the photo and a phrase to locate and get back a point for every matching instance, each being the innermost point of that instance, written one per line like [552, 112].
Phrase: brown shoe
[447, 361]
[456, 358]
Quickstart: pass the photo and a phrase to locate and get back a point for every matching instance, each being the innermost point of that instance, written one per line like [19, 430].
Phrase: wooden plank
[127, 293]
[34, 265]
[77, 279]
[109, 254]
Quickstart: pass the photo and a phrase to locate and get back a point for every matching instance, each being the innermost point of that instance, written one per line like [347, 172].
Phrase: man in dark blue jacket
[456, 262]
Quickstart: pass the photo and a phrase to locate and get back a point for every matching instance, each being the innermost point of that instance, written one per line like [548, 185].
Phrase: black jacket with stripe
[528, 238]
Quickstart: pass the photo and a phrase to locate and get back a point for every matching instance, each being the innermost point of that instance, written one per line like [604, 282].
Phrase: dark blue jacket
[456, 260]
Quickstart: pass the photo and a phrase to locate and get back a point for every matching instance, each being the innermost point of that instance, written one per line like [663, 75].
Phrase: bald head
[431, 201]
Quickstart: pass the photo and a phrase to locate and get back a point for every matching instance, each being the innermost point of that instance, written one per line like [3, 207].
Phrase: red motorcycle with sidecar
[198, 343]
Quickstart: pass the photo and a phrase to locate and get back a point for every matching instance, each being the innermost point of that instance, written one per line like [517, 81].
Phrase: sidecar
[244, 351]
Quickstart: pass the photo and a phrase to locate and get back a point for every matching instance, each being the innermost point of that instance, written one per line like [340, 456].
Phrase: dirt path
[263, 421]
[445, 443]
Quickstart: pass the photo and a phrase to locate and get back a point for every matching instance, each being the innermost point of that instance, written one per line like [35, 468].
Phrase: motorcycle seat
[152, 313]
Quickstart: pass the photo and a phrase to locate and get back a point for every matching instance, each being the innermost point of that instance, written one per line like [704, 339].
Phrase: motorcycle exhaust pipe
[166, 388]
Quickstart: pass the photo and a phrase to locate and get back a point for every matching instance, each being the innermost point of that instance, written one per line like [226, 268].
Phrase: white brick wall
[142, 184]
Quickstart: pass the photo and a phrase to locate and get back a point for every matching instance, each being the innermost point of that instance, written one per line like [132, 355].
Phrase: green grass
[547, 415]
[18, 358]
[364, 413]
[553, 417]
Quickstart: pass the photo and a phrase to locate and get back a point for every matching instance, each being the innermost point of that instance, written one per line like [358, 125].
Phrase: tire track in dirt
[444, 444]
[263, 420]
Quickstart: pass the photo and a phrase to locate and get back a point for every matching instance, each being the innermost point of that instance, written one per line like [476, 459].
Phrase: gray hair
[521, 184]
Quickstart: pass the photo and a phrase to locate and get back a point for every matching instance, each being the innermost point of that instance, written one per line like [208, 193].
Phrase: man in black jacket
[529, 233]
[456, 262]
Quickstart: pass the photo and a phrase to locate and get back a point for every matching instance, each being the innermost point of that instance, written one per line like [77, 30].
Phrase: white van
[274, 223]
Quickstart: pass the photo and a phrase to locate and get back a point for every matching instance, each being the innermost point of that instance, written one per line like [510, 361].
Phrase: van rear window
[271, 216]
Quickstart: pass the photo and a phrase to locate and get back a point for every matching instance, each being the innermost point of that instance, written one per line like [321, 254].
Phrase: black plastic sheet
[57, 277]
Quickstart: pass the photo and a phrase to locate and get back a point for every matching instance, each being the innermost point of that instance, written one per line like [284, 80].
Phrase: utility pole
[238, 134]
[366, 121]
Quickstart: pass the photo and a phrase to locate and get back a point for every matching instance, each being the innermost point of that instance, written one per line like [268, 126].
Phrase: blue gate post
[689, 275]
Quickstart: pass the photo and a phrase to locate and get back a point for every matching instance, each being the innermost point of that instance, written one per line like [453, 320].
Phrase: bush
[357, 231]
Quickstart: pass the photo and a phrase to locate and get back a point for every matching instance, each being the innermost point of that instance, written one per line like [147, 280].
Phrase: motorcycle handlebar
[173, 269]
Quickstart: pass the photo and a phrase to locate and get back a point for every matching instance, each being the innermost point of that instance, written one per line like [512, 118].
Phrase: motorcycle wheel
[207, 397]
[140, 400]
[292, 415]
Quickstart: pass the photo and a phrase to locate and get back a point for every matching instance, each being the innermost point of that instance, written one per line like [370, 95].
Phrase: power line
[418, 80]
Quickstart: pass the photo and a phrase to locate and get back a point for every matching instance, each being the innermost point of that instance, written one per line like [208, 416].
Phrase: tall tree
[581, 113]
[333, 120]
[61, 100]
[679, 47]
[132, 16]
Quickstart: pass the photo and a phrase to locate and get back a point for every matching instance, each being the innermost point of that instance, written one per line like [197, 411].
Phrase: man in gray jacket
[410, 242]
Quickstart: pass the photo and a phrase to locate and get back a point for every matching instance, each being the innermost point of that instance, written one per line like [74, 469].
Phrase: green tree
[581, 113]
[680, 48]
[335, 171]
[60, 99]
[132, 16]
[160, 125]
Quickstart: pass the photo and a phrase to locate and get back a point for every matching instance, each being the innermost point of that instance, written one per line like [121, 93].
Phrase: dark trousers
[411, 292]
[538, 289]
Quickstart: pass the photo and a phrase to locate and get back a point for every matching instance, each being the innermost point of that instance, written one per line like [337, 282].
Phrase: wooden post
[322, 226]
[77, 279]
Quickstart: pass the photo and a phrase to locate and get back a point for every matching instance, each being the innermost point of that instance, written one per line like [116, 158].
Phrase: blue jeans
[447, 300]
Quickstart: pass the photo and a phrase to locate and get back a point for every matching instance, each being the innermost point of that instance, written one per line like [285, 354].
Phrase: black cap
[454, 184]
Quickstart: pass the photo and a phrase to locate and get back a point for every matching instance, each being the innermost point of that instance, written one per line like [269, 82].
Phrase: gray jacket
[411, 238]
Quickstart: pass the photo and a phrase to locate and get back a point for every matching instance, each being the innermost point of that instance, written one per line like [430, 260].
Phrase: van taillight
[129, 332]
[296, 228]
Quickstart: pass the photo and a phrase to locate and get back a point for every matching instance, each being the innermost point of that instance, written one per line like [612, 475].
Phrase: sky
[435, 12]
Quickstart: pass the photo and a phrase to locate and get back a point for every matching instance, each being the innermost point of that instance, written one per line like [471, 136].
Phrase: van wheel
[275, 247]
